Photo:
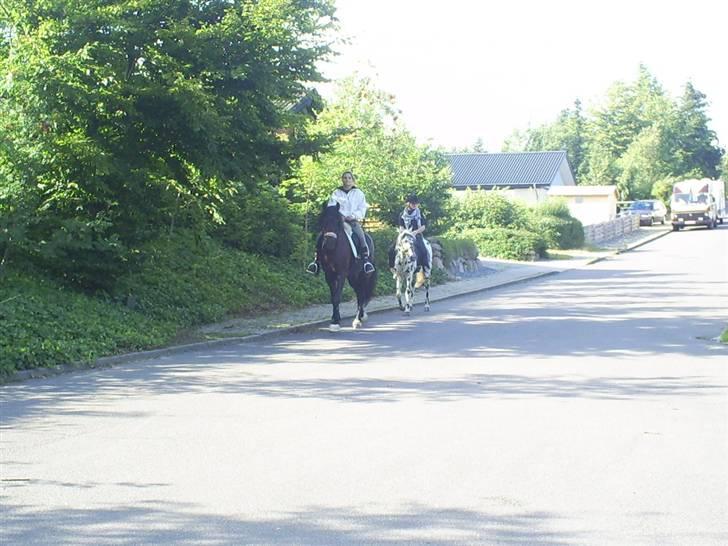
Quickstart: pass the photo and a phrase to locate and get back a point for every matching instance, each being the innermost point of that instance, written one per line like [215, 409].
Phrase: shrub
[553, 207]
[488, 209]
[179, 282]
[192, 279]
[513, 244]
[559, 228]
[457, 247]
[45, 324]
[260, 221]
[559, 232]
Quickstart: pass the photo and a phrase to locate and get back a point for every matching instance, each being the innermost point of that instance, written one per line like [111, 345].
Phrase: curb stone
[110, 361]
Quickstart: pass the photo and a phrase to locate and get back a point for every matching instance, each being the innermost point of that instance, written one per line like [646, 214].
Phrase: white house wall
[591, 209]
[528, 196]
[565, 177]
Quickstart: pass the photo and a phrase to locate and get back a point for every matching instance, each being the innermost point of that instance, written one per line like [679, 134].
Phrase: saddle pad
[349, 235]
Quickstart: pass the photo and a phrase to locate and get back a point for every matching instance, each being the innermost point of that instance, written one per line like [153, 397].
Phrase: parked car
[650, 211]
[624, 208]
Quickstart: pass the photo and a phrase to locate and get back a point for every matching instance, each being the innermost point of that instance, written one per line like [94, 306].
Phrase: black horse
[339, 264]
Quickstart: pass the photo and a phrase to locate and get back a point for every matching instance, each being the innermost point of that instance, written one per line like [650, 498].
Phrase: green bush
[558, 227]
[513, 244]
[260, 221]
[192, 280]
[553, 207]
[488, 209]
[45, 324]
[559, 232]
[457, 247]
[179, 282]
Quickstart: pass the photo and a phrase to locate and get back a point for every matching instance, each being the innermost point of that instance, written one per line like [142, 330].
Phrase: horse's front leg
[427, 294]
[399, 291]
[336, 285]
[361, 313]
[409, 293]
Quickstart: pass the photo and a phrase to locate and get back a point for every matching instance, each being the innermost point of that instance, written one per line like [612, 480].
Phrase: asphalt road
[589, 407]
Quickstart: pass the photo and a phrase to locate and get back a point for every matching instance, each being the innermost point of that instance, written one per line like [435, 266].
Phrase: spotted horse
[406, 265]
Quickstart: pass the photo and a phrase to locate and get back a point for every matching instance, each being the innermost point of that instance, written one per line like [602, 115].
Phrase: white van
[697, 203]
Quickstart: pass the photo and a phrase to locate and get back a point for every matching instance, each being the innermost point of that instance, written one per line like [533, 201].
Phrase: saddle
[350, 236]
[353, 239]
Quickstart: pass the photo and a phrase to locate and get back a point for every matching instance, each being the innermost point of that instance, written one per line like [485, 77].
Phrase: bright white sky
[463, 69]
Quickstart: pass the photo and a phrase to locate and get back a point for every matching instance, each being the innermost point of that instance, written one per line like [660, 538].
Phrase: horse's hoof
[356, 324]
[427, 307]
[407, 313]
[334, 327]
[364, 317]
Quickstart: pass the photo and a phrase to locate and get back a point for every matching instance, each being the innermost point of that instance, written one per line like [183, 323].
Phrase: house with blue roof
[527, 176]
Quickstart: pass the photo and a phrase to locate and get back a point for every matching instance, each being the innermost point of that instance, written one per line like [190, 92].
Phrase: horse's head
[405, 247]
[331, 225]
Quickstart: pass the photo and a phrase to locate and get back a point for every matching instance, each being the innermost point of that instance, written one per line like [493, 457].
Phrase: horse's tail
[370, 281]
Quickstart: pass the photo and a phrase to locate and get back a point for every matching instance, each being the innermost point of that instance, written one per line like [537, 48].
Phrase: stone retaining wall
[456, 267]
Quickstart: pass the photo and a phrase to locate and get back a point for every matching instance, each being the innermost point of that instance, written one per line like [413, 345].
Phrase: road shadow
[158, 522]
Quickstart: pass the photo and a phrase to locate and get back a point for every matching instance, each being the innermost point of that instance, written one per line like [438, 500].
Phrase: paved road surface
[584, 408]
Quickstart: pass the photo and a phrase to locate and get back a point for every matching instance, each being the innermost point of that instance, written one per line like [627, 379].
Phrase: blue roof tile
[510, 169]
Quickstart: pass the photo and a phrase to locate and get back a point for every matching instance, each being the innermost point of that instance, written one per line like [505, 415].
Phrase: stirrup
[368, 267]
[313, 268]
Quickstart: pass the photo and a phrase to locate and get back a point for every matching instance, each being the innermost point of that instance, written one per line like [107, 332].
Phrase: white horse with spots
[405, 270]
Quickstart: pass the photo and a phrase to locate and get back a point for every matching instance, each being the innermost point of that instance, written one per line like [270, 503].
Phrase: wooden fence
[597, 233]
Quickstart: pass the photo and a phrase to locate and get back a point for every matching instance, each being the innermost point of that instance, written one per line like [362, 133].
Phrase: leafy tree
[517, 141]
[122, 118]
[479, 146]
[662, 189]
[568, 133]
[630, 109]
[639, 139]
[696, 149]
[367, 137]
[646, 160]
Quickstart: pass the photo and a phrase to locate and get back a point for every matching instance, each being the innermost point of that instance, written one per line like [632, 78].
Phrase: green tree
[122, 118]
[630, 109]
[696, 146]
[646, 160]
[567, 132]
[367, 137]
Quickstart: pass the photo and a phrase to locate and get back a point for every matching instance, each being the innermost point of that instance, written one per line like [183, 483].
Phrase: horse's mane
[405, 233]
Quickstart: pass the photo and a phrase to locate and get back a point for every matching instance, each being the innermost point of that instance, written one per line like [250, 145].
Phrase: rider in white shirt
[353, 207]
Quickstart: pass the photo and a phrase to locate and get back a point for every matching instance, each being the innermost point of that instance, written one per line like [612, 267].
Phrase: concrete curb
[110, 361]
[638, 244]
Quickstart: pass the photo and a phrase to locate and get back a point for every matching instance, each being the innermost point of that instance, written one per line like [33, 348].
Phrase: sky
[465, 69]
